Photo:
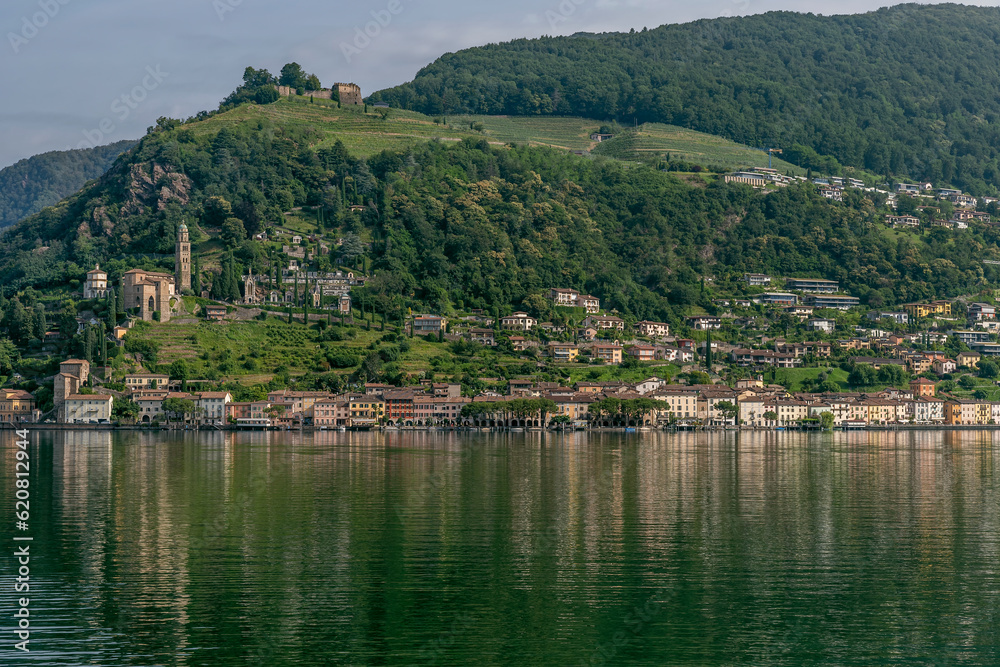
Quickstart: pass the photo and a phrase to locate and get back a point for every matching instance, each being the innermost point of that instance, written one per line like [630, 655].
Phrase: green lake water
[507, 549]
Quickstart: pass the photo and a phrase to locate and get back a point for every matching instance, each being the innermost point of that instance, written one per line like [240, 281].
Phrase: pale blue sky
[65, 65]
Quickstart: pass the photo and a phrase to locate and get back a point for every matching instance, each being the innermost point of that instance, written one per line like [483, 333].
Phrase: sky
[80, 73]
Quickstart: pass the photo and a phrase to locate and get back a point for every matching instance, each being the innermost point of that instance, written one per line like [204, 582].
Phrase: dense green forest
[36, 182]
[471, 224]
[908, 91]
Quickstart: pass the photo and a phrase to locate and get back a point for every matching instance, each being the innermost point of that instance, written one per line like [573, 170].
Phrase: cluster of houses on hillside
[964, 207]
[833, 188]
[803, 295]
[750, 403]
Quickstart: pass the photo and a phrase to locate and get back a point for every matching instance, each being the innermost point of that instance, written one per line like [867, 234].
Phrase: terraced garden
[367, 133]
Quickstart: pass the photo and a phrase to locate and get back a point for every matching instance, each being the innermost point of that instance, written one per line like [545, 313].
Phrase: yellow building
[16, 406]
[919, 310]
[791, 412]
[881, 411]
[984, 413]
[564, 352]
[366, 409]
[609, 354]
[576, 408]
[968, 359]
[961, 412]
[683, 404]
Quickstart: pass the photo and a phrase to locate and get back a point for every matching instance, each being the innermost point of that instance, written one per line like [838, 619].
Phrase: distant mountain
[43, 180]
[905, 91]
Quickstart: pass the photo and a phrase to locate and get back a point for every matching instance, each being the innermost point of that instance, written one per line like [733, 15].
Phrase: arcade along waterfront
[764, 548]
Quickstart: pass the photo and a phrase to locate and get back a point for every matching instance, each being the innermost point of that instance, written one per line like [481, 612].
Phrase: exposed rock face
[151, 185]
[102, 221]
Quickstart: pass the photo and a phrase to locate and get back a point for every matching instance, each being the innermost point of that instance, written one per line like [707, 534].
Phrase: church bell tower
[182, 261]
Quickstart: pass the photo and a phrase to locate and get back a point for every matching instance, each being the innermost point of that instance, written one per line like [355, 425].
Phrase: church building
[151, 292]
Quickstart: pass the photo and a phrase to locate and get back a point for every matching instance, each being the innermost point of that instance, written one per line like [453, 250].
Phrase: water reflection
[287, 548]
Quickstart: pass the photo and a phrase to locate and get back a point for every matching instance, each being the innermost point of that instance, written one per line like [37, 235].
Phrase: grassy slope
[366, 134]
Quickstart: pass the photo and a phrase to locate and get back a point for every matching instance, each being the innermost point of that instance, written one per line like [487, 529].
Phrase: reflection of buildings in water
[576, 502]
[81, 473]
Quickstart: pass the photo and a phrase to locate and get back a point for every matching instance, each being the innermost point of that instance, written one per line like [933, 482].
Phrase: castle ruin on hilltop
[350, 93]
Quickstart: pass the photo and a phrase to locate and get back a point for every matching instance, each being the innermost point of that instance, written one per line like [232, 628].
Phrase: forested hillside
[906, 91]
[470, 224]
[36, 182]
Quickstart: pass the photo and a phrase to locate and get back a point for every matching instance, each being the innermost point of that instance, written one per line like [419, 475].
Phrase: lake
[530, 549]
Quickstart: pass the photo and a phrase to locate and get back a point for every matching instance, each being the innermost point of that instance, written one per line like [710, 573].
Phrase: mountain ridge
[31, 184]
[901, 91]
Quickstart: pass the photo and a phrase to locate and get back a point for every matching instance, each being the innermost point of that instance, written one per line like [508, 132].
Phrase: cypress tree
[121, 300]
[196, 278]
[305, 301]
[112, 309]
[88, 344]
[237, 273]
[104, 346]
[41, 326]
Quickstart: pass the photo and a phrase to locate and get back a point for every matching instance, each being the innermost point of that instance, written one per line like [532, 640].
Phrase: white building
[88, 408]
[96, 286]
[213, 406]
[518, 321]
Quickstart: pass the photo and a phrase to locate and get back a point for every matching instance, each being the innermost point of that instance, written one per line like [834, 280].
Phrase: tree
[215, 211]
[771, 416]
[233, 232]
[179, 371]
[351, 247]
[729, 410]
[292, 76]
[9, 356]
[826, 420]
[828, 387]
[179, 406]
[196, 277]
[862, 375]
[89, 344]
[275, 411]
[104, 343]
[41, 325]
[371, 367]
[988, 369]
[17, 322]
[112, 310]
[891, 374]
[124, 410]
[967, 382]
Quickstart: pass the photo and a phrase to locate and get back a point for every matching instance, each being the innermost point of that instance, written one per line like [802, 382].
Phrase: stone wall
[350, 93]
[286, 91]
